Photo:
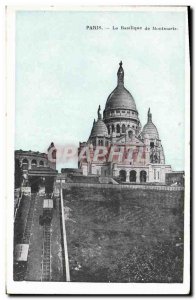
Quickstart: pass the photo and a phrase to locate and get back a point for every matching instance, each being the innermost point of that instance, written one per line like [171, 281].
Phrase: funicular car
[47, 210]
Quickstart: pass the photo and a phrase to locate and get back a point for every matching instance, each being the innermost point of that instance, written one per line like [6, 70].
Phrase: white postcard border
[14, 287]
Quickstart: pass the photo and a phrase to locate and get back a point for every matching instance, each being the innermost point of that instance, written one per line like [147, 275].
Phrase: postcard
[98, 150]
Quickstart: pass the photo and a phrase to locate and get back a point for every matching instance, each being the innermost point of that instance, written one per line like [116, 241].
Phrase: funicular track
[46, 262]
[46, 253]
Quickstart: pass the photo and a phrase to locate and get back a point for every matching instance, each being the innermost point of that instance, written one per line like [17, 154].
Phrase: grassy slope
[124, 236]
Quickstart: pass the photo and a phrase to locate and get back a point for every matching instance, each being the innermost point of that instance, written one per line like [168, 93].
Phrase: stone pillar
[111, 129]
[29, 164]
[115, 171]
[138, 176]
[127, 176]
[147, 176]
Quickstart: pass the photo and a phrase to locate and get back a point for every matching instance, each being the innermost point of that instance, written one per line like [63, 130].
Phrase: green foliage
[18, 174]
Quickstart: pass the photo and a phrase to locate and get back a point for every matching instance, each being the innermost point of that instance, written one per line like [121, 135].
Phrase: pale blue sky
[63, 72]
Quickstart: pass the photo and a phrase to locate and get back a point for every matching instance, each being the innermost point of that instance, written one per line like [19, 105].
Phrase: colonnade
[137, 176]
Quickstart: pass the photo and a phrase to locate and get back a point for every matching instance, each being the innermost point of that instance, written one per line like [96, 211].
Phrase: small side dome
[99, 129]
[150, 131]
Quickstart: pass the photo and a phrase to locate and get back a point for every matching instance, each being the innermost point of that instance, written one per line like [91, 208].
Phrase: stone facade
[119, 147]
[30, 160]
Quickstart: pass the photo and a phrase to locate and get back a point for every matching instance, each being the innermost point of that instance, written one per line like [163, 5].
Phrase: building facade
[119, 147]
[31, 160]
[39, 169]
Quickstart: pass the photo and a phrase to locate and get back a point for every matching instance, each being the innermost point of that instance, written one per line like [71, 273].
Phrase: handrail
[64, 239]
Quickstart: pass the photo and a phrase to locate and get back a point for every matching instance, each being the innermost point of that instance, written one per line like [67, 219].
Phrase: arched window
[25, 164]
[54, 154]
[143, 176]
[34, 163]
[123, 128]
[151, 145]
[118, 128]
[41, 163]
[113, 129]
[122, 175]
[130, 134]
[109, 129]
[132, 176]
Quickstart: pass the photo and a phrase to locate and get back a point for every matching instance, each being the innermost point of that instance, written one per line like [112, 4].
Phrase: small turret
[149, 116]
[150, 131]
[98, 113]
[52, 156]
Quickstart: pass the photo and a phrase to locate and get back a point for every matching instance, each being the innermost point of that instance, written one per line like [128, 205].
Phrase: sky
[64, 71]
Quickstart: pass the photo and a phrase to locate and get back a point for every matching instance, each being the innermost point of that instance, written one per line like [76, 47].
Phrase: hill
[124, 235]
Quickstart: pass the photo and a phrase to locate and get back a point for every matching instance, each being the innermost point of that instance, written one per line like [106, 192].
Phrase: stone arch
[143, 176]
[132, 176]
[130, 133]
[118, 128]
[41, 163]
[25, 164]
[33, 163]
[123, 128]
[122, 175]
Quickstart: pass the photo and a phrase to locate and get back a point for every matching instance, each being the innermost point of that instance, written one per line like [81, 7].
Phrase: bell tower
[52, 156]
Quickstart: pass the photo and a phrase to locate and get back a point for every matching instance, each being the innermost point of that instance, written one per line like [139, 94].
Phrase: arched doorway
[143, 176]
[34, 182]
[122, 175]
[132, 176]
[41, 163]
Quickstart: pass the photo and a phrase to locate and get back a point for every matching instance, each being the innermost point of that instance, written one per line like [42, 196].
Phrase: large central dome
[120, 98]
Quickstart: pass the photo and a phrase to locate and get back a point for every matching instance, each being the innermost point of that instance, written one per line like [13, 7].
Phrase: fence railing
[123, 186]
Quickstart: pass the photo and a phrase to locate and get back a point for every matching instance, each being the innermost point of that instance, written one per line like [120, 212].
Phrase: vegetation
[18, 174]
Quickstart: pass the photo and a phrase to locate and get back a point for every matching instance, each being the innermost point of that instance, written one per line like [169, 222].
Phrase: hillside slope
[124, 235]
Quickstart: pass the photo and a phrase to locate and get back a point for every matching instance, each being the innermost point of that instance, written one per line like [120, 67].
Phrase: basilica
[118, 147]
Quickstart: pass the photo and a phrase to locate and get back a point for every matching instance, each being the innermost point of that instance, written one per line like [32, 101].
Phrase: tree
[18, 174]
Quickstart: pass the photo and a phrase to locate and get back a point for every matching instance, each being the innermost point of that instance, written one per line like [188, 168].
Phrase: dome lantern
[149, 116]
